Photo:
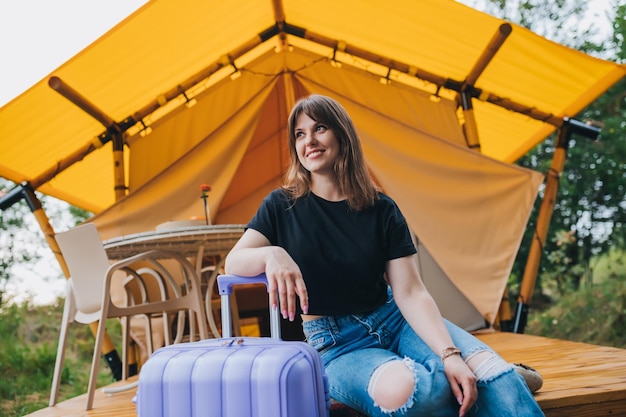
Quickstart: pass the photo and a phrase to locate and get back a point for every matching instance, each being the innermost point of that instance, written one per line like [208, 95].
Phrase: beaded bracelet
[449, 351]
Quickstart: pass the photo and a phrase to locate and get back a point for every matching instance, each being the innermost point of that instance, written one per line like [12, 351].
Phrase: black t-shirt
[341, 252]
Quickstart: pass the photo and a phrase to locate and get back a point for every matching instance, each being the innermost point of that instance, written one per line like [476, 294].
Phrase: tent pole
[541, 232]
[505, 316]
[529, 278]
[118, 166]
[26, 191]
[115, 132]
[282, 28]
[70, 160]
[279, 18]
[72, 95]
[504, 30]
[453, 85]
[470, 127]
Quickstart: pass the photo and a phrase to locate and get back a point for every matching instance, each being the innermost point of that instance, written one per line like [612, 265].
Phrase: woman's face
[316, 146]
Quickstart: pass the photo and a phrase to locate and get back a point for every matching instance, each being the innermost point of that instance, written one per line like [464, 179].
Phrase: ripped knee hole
[392, 384]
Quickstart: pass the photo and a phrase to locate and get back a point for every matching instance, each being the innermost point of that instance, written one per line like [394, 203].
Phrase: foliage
[27, 356]
[603, 307]
[16, 245]
[558, 20]
[618, 39]
[22, 241]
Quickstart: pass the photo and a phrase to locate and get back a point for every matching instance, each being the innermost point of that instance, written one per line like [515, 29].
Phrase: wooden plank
[604, 409]
[580, 380]
[116, 405]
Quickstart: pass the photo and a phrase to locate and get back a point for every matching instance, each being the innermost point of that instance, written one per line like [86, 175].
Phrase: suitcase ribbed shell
[235, 377]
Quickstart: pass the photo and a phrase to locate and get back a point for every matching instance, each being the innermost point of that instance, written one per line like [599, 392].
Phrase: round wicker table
[207, 244]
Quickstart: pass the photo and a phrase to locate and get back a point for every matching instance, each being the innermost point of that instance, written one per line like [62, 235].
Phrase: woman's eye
[299, 134]
[320, 128]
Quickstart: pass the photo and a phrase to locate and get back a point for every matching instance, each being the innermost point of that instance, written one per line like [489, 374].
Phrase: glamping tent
[182, 93]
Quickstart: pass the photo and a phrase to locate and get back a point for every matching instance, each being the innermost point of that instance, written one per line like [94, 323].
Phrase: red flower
[206, 188]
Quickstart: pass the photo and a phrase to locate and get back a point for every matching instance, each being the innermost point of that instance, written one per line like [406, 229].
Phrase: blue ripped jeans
[354, 346]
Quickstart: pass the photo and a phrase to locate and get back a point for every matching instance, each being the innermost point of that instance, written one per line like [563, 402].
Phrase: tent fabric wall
[452, 303]
[174, 192]
[413, 153]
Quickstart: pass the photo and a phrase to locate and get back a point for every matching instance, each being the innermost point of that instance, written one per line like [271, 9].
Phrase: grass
[28, 352]
[595, 314]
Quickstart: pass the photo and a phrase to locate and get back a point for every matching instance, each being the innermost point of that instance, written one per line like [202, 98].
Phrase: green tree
[17, 245]
[589, 214]
[22, 243]
[558, 20]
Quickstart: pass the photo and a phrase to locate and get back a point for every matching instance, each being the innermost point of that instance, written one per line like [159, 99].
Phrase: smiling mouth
[314, 153]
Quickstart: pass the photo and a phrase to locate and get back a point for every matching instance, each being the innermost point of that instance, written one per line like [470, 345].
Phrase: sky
[38, 36]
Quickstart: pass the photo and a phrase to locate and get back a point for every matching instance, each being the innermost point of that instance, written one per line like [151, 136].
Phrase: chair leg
[95, 362]
[180, 326]
[149, 341]
[68, 312]
[125, 346]
[192, 324]
[208, 297]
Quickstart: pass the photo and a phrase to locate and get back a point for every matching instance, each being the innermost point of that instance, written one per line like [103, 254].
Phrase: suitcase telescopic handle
[225, 285]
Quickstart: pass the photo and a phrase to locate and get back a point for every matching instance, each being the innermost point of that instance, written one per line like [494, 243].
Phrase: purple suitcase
[234, 376]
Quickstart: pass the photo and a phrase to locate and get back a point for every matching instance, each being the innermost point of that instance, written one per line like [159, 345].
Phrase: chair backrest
[87, 262]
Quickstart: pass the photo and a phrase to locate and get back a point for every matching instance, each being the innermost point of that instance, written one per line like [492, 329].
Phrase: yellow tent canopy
[199, 91]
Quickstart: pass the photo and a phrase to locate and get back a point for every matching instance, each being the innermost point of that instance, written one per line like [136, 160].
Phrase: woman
[329, 238]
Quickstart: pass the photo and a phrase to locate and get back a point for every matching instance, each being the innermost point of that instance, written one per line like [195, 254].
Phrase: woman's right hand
[462, 382]
[285, 279]
[252, 254]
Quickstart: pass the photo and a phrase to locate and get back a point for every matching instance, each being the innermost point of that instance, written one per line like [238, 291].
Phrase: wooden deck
[580, 380]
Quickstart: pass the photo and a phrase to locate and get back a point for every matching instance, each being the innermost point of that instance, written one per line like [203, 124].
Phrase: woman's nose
[310, 138]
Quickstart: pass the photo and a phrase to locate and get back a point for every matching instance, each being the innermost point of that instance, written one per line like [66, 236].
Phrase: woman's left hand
[462, 382]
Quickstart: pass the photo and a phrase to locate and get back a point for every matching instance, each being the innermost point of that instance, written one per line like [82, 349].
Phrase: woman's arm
[421, 312]
[253, 254]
